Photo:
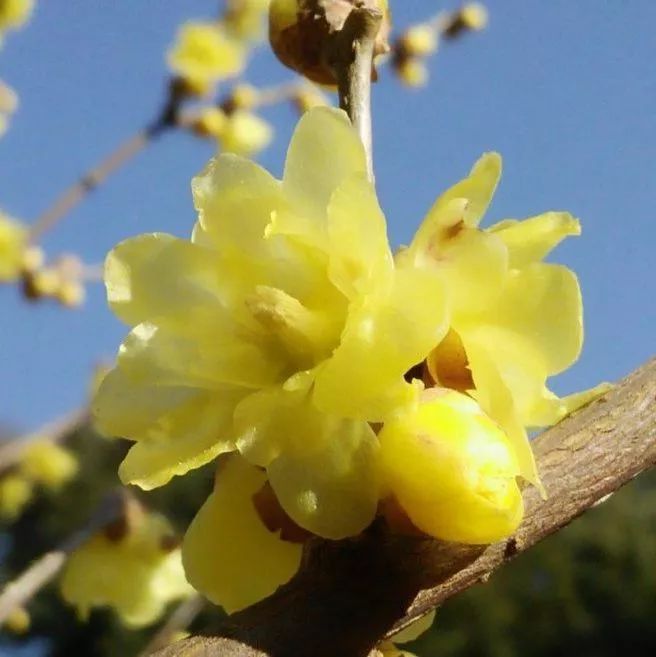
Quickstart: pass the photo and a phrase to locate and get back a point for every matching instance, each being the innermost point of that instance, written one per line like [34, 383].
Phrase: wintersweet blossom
[48, 464]
[137, 573]
[282, 330]
[515, 320]
[13, 242]
[204, 53]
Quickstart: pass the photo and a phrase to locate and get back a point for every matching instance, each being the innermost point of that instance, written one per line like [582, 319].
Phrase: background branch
[350, 594]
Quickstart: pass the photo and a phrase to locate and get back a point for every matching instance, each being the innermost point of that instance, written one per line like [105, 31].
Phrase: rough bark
[350, 594]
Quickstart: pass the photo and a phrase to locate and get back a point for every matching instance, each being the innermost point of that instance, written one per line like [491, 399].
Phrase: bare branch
[350, 594]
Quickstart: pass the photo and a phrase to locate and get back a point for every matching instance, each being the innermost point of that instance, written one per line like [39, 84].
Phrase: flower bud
[419, 41]
[452, 470]
[299, 31]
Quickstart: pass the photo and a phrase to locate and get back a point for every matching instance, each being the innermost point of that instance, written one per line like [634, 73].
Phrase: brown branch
[350, 594]
[21, 590]
[351, 55]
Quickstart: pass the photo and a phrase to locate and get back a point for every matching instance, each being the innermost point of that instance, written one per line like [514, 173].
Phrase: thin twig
[55, 431]
[181, 618]
[22, 589]
[351, 57]
[95, 177]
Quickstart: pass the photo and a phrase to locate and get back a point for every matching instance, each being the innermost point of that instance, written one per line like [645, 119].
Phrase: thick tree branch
[350, 594]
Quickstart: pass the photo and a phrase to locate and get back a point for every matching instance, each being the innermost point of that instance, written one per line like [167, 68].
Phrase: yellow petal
[360, 259]
[324, 150]
[159, 276]
[550, 409]
[541, 304]
[496, 399]
[322, 468]
[177, 429]
[475, 266]
[382, 340]
[530, 240]
[209, 355]
[235, 198]
[228, 554]
[477, 191]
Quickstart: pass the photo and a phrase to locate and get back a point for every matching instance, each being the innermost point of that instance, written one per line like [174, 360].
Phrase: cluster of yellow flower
[417, 43]
[42, 463]
[342, 380]
[61, 279]
[134, 566]
[207, 53]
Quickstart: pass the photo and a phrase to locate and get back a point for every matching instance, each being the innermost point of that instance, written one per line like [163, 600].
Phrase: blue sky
[565, 90]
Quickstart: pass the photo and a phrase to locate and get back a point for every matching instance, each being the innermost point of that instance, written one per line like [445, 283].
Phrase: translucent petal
[532, 239]
[383, 338]
[477, 190]
[324, 150]
[177, 429]
[242, 210]
[475, 265]
[206, 356]
[497, 401]
[541, 303]
[360, 258]
[228, 554]
[550, 409]
[322, 468]
[235, 198]
[328, 484]
[159, 276]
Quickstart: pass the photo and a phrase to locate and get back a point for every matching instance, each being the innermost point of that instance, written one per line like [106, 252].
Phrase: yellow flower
[137, 574]
[515, 320]
[13, 242]
[15, 494]
[245, 133]
[246, 18]
[14, 14]
[48, 464]
[452, 470]
[228, 554]
[281, 330]
[204, 54]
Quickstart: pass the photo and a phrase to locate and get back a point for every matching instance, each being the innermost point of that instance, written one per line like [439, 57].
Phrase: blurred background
[566, 91]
